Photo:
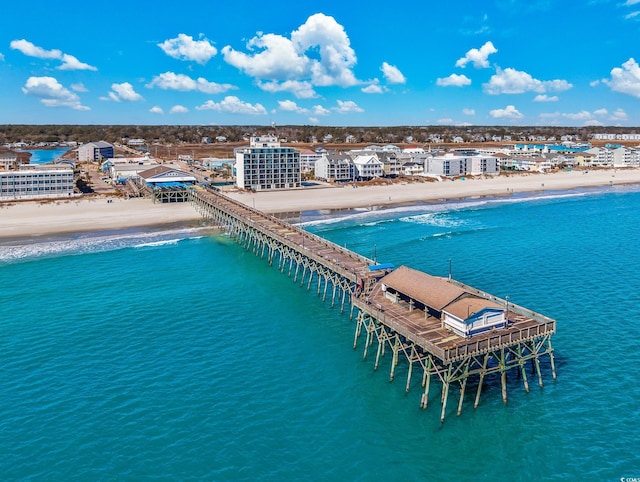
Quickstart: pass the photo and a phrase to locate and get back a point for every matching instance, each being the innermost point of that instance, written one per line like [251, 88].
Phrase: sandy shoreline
[33, 218]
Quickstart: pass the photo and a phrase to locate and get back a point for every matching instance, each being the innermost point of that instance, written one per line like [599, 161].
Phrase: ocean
[174, 355]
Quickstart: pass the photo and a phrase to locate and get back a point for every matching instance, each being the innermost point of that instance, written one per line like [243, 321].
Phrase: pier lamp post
[449, 269]
[374, 252]
[506, 298]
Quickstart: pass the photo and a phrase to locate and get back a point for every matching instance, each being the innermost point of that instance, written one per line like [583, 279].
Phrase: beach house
[334, 167]
[367, 166]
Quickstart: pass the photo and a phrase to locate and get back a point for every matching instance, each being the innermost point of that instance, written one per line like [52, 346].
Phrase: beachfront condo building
[265, 165]
[44, 181]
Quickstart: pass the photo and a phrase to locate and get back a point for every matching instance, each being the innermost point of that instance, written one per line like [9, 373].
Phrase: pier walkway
[410, 313]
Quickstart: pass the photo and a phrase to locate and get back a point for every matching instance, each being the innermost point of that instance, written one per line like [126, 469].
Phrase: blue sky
[335, 63]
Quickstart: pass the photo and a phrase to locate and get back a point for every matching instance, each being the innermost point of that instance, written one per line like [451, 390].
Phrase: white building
[334, 167]
[367, 166]
[626, 157]
[264, 165]
[470, 164]
[94, 151]
[37, 181]
[308, 159]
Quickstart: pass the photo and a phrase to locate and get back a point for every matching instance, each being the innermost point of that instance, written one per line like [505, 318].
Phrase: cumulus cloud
[512, 81]
[291, 106]
[178, 109]
[619, 115]
[233, 105]
[183, 47]
[373, 88]
[52, 93]
[156, 109]
[625, 79]
[453, 80]
[1, 57]
[69, 62]
[347, 107]
[602, 111]
[301, 89]
[79, 87]
[392, 74]
[319, 110]
[123, 91]
[509, 112]
[278, 58]
[184, 83]
[468, 111]
[545, 98]
[478, 57]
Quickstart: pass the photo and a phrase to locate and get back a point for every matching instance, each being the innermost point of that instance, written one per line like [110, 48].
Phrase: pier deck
[422, 338]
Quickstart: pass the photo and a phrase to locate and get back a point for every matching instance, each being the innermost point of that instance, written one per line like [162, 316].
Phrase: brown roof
[468, 305]
[436, 292]
[431, 290]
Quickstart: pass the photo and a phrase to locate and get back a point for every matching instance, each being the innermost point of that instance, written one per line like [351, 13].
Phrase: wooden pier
[417, 317]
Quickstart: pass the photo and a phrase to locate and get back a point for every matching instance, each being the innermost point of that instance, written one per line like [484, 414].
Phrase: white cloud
[631, 2]
[479, 57]
[625, 79]
[184, 47]
[545, 98]
[301, 89]
[509, 112]
[468, 111]
[233, 105]
[582, 115]
[392, 74]
[373, 88]
[631, 15]
[453, 80]
[602, 111]
[1, 57]
[156, 109]
[291, 106]
[275, 57]
[79, 87]
[512, 81]
[33, 50]
[123, 91]
[619, 115]
[319, 110]
[184, 83]
[69, 62]
[593, 123]
[347, 107]
[446, 121]
[51, 93]
[178, 109]
[314, 120]
[593, 83]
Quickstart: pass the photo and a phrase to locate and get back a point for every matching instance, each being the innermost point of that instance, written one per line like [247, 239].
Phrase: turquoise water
[45, 156]
[177, 356]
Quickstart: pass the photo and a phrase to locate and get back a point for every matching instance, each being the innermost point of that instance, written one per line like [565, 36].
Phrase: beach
[38, 218]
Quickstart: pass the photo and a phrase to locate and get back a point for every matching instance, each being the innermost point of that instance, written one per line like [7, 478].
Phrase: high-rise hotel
[264, 165]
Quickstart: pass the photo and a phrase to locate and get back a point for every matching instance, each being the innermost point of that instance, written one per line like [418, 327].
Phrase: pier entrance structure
[453, 333]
